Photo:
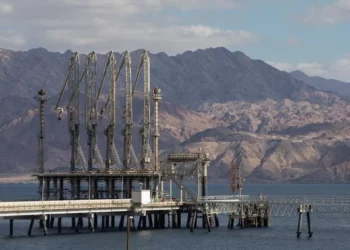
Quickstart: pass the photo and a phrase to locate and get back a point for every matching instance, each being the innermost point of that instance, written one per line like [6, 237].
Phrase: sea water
[329, 232]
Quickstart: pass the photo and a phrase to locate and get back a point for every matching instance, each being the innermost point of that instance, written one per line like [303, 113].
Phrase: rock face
[277, 128]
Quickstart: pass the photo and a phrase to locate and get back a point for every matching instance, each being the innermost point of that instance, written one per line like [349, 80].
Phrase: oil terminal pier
[109, 192]
[112, 214]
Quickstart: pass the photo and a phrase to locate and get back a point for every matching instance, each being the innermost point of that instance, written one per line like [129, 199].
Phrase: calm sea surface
[329, 232]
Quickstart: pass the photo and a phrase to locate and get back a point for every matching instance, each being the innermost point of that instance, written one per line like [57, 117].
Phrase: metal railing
[276, 199]
[278, 205]
[21, 206]
[163, 204]
[72, 206]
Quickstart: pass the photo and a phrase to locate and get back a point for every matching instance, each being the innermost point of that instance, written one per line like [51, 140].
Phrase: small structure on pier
[142, 197]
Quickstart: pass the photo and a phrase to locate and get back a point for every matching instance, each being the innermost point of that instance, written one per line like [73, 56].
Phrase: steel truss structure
[112, 156]
[73, 79]
[177, 166]
[92, 94]
[91, 112]
[279, 206]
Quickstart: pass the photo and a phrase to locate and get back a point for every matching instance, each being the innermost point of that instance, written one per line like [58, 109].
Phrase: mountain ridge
[276, 127]
[336, 86]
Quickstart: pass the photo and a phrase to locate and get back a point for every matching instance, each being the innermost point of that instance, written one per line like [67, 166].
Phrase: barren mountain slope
[275, 127]
[283, 118]
[264, 158]
[190, 79]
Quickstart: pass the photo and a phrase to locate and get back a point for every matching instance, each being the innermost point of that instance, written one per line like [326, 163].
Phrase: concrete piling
[59, 225]
[11, 227]
[30, 227]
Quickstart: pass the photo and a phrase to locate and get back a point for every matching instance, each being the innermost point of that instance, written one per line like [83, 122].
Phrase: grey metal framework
[178, 166]
[129, 157]
[146, 153]
[112, 156]
[107, 174]
[91, 112]
[73, 79]
[41, 98]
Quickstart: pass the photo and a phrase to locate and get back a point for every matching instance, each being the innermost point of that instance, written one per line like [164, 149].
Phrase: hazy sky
[310, 35]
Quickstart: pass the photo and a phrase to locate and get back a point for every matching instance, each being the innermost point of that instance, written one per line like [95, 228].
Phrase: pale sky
[310, 35]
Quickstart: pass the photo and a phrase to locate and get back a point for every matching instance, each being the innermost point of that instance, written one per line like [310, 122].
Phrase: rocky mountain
[274, 141]
[339, 87]
[190, 79]
[286, 117]
[275, 126]
[219, 76]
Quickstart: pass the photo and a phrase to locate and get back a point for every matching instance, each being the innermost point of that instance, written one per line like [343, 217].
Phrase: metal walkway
[279, 205]
[60, 207]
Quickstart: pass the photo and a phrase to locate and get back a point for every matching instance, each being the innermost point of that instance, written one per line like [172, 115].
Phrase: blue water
[329, 232]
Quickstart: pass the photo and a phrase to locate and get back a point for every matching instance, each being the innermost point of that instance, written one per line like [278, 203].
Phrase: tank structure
[115, 178]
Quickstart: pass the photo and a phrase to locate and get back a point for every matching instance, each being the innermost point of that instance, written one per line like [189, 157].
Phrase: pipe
[156, 97]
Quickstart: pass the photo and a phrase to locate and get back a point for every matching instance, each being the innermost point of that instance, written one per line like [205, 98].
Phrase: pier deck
[279, 205]
[29, 208]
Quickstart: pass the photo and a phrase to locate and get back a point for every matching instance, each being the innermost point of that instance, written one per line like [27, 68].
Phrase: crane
[91, 110]
[73, 80]
[129, 157]
[112, 156]
[146, 127]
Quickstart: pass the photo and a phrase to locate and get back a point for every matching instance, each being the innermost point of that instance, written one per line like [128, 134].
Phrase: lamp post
[128, 232]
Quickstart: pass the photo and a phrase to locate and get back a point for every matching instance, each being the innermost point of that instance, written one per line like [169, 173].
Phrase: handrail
[276, 199]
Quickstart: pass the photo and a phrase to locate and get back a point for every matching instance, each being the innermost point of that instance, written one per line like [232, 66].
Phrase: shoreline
[17, 179]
